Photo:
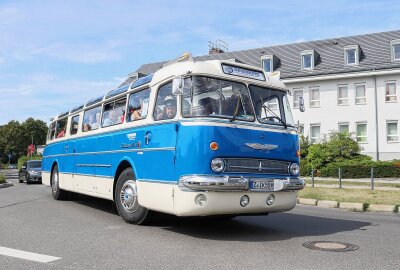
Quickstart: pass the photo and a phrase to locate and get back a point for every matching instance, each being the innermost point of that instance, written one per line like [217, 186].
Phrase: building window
[360, 94]
[307, 60]
[267, 64]
[343, 95]
[392, 131]
[351, 55]
[314, 97]
[395, 44]
[343, 127]
[390, 93]
[297, 93]
[315, 133]
[361, 130]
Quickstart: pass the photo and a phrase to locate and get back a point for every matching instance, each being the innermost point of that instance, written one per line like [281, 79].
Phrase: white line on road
[27, 255]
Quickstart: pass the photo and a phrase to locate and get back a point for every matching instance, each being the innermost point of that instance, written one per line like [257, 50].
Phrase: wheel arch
[55, 163]
[123, 164]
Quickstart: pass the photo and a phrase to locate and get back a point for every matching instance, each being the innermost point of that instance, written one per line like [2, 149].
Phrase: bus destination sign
[243, 72]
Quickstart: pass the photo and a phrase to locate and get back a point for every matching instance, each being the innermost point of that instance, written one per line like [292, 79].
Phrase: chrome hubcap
[128, 196]
[54, 182]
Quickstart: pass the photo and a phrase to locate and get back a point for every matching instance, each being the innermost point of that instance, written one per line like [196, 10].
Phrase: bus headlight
[294, 169]
[217, 165]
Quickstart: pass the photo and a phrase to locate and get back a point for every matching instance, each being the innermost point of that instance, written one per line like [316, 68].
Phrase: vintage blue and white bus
[196, 138]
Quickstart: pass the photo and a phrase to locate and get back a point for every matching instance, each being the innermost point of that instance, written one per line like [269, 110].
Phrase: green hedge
[2, 178]
[22, 160]
[361, 169]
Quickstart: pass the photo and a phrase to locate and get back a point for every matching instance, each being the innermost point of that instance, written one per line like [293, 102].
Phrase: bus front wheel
[126, 199]
[56, 191]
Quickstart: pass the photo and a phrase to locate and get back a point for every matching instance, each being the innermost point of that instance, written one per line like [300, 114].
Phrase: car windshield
[209, 97]
[35, 164]
[271, 106]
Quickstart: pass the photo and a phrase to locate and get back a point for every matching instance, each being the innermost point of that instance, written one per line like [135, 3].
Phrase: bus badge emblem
[262, 146]
[131, 136]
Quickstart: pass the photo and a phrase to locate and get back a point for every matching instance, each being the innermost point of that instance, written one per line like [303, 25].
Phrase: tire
[126, 199]
[57, 193]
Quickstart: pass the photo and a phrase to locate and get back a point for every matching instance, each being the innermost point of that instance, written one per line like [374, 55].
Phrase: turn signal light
[214, 146]
[298, 153]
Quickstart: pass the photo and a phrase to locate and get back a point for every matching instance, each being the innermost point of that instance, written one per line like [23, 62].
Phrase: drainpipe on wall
[376, 118]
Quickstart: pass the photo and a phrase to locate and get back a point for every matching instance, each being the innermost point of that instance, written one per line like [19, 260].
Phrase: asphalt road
[87, 233]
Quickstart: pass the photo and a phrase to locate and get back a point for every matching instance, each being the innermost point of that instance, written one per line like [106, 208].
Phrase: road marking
[27, 255]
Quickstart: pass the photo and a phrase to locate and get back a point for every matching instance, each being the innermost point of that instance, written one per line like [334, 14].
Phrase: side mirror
[23, 167]
[301, 104]
[177, 85]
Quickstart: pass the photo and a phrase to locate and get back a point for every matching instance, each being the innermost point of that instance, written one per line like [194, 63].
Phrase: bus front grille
[263, 166]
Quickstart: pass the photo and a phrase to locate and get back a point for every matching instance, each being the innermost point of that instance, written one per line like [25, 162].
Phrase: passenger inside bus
[169, 110]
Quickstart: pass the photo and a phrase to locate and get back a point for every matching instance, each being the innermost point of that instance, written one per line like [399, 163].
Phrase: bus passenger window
[52, 132]
[61, 126]
[165, 104]
[91, 119]
[114, 113]
[138, 105]
[74, 124]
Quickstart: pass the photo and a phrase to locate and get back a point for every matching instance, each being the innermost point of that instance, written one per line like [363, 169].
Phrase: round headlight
[294, 169]
[217, 165]
[200, 199]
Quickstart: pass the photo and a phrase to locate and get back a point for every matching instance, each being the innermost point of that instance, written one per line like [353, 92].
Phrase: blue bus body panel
[173, 150]
[194, 154]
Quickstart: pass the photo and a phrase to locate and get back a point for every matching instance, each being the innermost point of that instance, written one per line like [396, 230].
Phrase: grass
[353, 183]
[2, 178]
[389, 197]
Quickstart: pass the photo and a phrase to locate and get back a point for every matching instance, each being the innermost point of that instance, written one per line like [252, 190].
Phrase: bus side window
[138, 105]
[61, 128]
[74, 125]
[52, 131]
[114, 113]
[165, 104]
[91, 119]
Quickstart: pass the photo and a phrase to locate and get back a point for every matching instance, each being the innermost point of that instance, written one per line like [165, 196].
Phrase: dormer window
[351, 55]
[308, 59]
[395, 44]
[269, 62]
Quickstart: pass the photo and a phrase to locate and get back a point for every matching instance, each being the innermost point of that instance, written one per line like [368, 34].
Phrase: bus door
[103, 180]
[85, 160]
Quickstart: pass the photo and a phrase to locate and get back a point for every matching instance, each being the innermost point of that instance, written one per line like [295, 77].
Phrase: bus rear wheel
[56, 191]
[126, 199]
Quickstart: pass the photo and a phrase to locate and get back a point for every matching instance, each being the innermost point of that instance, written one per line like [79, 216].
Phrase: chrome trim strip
[115, 151]
[90, 175]
[254, 168]
[157, 181]
[94, 165]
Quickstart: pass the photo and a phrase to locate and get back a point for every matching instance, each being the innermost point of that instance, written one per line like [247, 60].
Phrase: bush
[361, 168]
[22, 160]
[2, 178]
[305, 169]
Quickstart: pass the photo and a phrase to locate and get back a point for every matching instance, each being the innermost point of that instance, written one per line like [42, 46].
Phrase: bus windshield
[209, 97]
[271, 106]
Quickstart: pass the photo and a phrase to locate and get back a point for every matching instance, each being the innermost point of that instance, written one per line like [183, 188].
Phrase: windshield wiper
[275, 116]
[236, 114]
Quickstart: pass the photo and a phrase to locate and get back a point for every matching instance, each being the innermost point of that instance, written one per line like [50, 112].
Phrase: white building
[348, 84]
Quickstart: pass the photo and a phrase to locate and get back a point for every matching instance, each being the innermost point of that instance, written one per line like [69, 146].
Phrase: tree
[15, 137]
[336, 147]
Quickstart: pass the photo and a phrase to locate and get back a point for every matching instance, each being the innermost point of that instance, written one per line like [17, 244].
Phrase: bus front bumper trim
[232, 183]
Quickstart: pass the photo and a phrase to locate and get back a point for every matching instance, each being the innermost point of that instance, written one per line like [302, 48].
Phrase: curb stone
[312, 202]
[6, 184]
[381, 208]
[328, 204]
[347, 205]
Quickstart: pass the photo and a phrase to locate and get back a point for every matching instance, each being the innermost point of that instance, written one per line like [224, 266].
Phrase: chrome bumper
[231, 183]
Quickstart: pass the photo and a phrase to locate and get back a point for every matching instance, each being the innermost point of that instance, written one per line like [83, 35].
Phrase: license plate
[262, 185]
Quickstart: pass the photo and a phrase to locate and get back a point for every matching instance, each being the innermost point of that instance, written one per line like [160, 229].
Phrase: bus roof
[186, 65]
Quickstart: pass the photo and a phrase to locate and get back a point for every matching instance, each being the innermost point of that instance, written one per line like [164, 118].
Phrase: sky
[55, 55]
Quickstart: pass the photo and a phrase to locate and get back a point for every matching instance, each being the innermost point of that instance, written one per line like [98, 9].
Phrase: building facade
[348, 84]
